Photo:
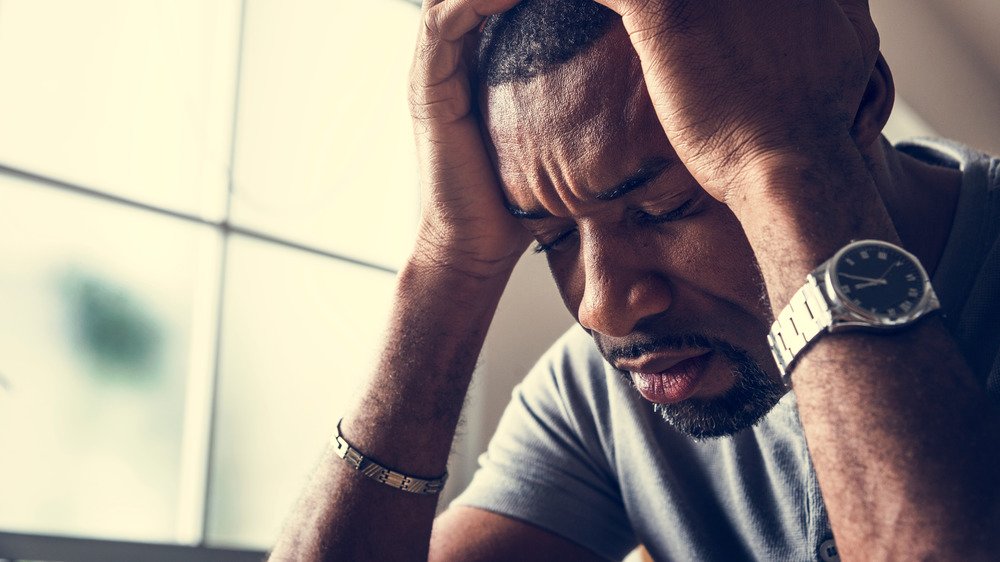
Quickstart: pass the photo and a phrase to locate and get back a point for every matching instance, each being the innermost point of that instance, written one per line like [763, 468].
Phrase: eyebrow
[649, 171]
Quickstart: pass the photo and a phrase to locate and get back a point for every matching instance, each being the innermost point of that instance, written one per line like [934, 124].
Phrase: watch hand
[871, 283]
[859, 278]
[894, 264]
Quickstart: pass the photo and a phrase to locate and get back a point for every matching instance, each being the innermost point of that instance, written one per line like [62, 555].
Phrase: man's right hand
[464, 226]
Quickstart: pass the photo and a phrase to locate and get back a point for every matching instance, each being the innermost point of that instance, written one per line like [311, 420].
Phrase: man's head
[535, 38]
[656, 270]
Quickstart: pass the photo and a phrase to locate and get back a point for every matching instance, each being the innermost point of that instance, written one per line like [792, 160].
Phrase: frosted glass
[299, 334]
[324, 146]
[129, 97]
[97, 317]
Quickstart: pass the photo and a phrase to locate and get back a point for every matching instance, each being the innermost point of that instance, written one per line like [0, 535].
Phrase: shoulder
[575, 350]
[574, 376]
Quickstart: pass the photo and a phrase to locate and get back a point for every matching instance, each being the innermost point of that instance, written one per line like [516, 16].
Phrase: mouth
[668, 378]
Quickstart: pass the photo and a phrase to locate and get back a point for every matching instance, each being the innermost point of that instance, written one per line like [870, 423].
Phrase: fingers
[625, 7]
[450, 20]
[614, 5]
[859, 14]
[439, 44]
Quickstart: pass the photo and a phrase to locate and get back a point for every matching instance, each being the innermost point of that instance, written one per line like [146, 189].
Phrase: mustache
[644, 345]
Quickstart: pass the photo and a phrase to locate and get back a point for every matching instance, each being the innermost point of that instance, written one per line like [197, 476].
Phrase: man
[684, 165]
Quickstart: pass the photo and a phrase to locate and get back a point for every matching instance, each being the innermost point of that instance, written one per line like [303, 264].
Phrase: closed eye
[644, 217]
[546, 247]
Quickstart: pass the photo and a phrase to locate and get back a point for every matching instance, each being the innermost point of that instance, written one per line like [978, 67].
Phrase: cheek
[718, 261]
[707, 259]
[569, 278]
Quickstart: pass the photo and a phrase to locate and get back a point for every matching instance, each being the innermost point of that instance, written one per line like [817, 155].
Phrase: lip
[669, 379]
[659, 361]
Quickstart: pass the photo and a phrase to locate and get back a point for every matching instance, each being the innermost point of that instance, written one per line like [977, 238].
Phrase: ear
[876, 105]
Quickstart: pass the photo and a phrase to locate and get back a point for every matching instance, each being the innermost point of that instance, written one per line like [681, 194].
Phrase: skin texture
[625, 280]
[767, 116]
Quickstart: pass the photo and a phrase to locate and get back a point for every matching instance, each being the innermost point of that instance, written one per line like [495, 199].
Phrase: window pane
[299, 332]
[98, 317]
[324, 149]
[131, 97]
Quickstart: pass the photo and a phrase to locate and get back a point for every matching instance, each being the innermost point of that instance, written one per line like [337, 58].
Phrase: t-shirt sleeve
[548, 463]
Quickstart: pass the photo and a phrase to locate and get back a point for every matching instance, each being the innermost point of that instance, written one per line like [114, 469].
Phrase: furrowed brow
[649, 171]
[520, 213]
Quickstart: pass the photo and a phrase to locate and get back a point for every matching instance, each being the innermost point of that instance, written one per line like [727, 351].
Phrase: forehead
[577, 130]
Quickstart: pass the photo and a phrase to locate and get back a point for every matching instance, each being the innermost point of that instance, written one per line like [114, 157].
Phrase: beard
[751, 397]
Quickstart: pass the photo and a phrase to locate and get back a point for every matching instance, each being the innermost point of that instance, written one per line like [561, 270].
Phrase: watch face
[879, 280]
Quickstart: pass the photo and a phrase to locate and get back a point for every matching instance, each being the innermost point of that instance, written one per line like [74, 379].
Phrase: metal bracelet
[379, 473]
[805, 316]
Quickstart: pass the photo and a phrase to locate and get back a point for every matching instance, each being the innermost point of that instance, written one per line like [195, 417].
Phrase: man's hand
[738, 85]
[446, 295]
[761, 102]
[464, 225]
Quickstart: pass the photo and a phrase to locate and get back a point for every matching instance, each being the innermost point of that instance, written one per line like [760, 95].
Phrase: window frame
[51, 547]
[199, 426]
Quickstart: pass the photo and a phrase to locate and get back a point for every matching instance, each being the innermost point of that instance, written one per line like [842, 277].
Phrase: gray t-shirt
[580, 453]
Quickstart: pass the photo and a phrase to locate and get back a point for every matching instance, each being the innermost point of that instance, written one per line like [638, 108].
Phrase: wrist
[799, 173]
[451, 286]
[798, 208]
[449, 255]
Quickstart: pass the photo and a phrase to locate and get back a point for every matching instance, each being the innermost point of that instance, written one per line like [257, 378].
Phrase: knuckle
[655, 21]
[445, 103]
[414, 98]
[432, 21]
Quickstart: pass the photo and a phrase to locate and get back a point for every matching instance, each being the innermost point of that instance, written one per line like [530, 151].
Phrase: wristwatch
[866, 285]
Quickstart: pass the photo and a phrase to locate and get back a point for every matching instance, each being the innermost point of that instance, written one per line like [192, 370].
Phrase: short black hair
[537, 36]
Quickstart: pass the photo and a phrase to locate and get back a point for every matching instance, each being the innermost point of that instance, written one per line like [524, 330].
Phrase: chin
[749, 398]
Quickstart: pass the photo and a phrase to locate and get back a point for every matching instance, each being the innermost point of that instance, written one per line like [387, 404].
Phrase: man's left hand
[743, 86]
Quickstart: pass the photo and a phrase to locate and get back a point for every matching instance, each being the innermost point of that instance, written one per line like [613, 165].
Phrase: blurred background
[202, 206]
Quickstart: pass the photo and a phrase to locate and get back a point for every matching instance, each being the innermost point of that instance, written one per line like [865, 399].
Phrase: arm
[445, 299]
[468, 534]
[900, 433]
[406, 419]
[770, 106]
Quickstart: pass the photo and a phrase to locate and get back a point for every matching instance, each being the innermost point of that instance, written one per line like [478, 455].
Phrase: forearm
[405, 418]
[902, 443]
[901, 436]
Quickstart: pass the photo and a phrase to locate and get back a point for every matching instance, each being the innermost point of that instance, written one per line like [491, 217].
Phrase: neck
[921, 199]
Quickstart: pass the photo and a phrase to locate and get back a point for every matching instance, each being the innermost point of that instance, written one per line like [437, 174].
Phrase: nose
[621, 286]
